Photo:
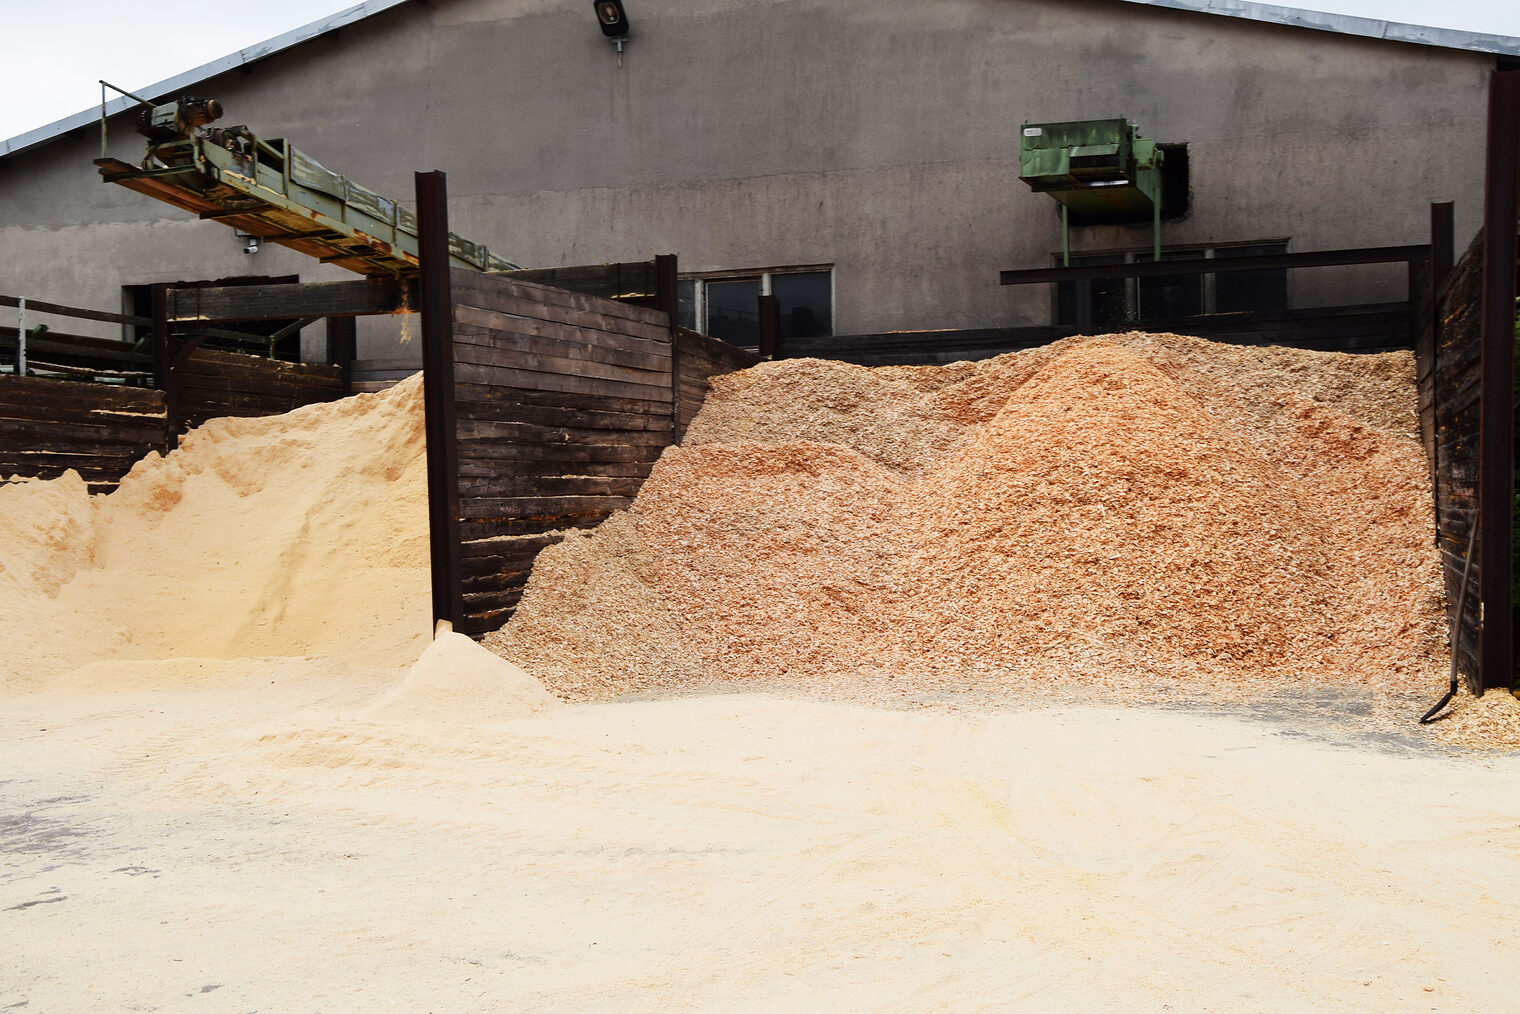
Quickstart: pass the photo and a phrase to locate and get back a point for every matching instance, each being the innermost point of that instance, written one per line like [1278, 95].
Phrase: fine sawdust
[300, 534]
[1143, 513]
[456, 680]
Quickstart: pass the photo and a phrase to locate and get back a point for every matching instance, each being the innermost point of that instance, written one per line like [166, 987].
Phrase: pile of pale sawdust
[299, 534]
[1138, 512]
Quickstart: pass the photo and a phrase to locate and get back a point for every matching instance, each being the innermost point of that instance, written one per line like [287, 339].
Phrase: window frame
[763, 275]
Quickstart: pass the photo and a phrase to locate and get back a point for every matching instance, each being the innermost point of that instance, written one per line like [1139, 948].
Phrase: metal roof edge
[1347, 24]
[165, 89]
[1343, 24]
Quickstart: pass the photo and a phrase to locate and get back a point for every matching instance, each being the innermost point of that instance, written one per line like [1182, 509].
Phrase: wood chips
[1140, 513]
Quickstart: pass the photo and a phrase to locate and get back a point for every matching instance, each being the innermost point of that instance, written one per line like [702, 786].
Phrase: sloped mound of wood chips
[1138, 512]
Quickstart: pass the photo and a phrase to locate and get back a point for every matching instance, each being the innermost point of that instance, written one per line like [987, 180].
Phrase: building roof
[1392, 31]
[169, 88]
[1345, 24]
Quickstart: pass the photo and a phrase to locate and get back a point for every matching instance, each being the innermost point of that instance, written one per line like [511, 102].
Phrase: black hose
[1456, 634]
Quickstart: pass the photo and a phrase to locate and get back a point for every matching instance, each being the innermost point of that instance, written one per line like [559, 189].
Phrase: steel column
[666, 299]
[769, 311]
[437, 313]
[1443, 246]
[1496, 444]
[163, 364]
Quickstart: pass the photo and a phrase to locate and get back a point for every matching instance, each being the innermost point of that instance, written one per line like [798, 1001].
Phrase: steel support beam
[1496, 444]
[437, 312]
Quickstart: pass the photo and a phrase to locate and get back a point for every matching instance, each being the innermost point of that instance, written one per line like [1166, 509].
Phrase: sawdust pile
[1133, 512]
[300, 534]
[1490, 722]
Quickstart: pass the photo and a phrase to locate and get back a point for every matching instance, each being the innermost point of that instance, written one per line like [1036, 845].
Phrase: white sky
[56, 50]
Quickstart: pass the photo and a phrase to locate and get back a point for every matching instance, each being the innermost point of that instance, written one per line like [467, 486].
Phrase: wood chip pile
[1131, 512]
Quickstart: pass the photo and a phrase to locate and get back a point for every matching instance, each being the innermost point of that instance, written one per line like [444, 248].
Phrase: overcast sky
[56, 50]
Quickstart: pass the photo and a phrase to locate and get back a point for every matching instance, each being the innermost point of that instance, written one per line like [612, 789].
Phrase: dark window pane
[1172, 296]
[806, 302]
[686, 303]
[1251, 291]
[1107, 295]
[733, 311]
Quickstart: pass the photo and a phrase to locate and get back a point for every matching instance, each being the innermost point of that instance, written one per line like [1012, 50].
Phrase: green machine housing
[1102, 170]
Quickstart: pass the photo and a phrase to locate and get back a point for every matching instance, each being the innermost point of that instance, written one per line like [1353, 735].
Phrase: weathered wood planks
[1449, 372]
[100, 430]
[564, 401]
[212, 384]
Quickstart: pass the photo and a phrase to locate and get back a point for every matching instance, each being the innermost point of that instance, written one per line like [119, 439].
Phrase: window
[1116, 302]
[726, 305]
[1251, 291]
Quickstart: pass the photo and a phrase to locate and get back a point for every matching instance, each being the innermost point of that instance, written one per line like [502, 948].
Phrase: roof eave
[1346, 24]
[167, 89]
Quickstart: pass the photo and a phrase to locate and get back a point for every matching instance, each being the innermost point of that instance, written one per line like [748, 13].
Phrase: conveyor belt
[271, 190]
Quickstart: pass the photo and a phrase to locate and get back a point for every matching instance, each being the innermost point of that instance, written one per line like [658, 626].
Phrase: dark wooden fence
[102, 403]
[1449, 365]
[210, 384]
[562, 404]
[99, 430]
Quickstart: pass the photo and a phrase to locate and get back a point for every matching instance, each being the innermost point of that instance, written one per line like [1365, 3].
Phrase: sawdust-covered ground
[286, 835]
[327, 826]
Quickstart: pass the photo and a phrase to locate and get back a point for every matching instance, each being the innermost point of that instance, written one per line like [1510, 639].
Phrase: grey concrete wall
[882, 138]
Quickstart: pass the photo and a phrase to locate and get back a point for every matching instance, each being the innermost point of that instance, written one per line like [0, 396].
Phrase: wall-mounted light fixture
[614, 22]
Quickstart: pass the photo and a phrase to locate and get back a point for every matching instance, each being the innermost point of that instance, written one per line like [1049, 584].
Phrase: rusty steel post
[770, 326]
[1496, 443]
[163, 364]
[1443, 250]
[437, 313]
[667, 300]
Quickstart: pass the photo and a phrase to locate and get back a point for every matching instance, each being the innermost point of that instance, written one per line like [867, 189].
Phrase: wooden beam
[279, 302]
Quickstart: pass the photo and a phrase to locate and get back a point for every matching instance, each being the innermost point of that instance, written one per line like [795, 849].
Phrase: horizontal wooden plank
[562, 455]
[477, 625]
[25, 389]
[494, 291]
[59, 434]
[504, 398]
[579, 419]
[506, 546]
[521, 300]
[279, 302]
[521, 432]
[485, 508]
[505, 355]
[585, 347]
[549, 485]
[15, 461]
[495, 598]
[491, 468]
[628, 279]
[528, 526]
[469, 373]
[49, 411]
[366, 365]
[474, 321]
